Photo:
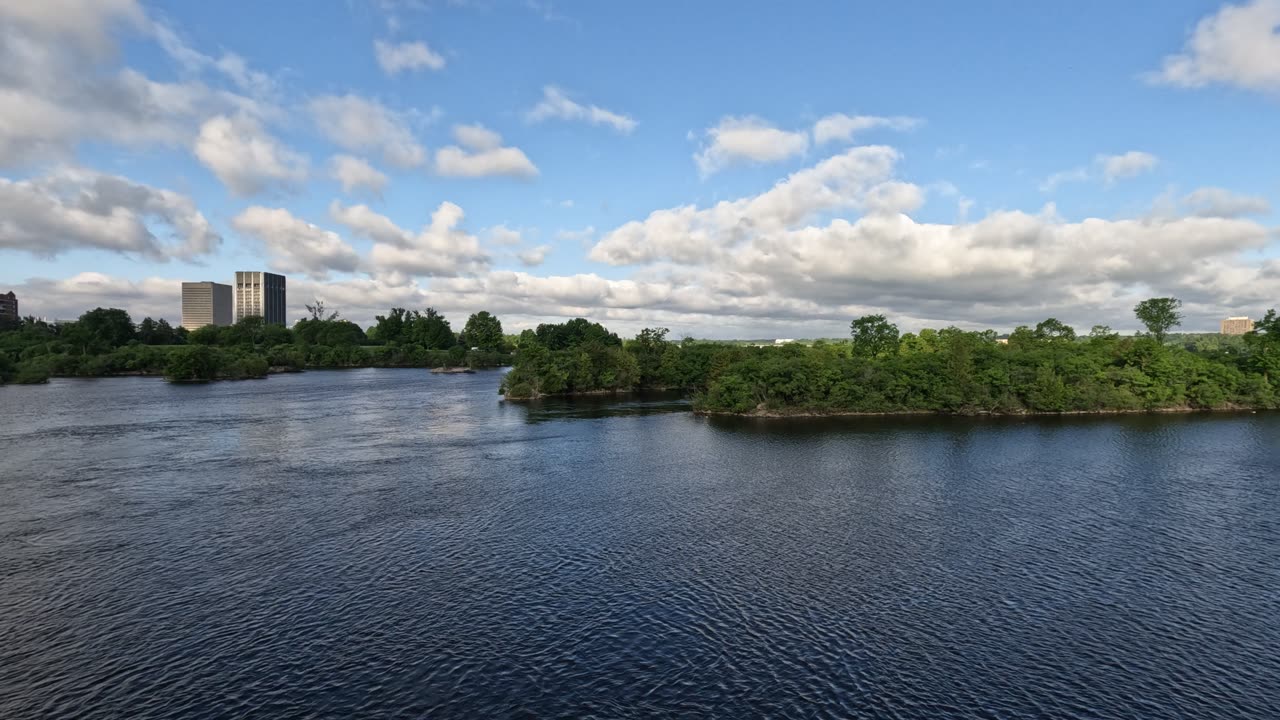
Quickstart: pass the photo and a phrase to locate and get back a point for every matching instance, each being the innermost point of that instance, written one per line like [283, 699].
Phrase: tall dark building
[261, 294]
[9, 306]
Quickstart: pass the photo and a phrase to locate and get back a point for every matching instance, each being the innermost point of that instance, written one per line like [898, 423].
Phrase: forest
[1041, 369]
[106, 342]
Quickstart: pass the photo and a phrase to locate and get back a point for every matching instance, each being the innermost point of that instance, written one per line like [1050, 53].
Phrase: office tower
[9, 306]
[205, 303]
[1237, 326]
[261, 294]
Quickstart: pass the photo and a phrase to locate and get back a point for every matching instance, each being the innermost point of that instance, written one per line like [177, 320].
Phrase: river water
[379, 543]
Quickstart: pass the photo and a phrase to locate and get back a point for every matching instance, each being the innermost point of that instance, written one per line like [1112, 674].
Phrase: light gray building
[205, 303]
[260, 294]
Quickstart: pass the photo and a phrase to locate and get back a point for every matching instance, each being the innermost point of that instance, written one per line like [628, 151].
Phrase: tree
[317, 311]
[483, 331]
[1160, 315]
[873, 336]
[391, 328]
[1054, 330]
[103, 329]
[430, 330]
[1264, 346]
[649, 348]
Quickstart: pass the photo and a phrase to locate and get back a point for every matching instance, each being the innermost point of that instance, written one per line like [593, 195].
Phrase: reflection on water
[599, 406]
[391, 543]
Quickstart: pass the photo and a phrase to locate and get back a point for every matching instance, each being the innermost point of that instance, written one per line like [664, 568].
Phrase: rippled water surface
[394, 543]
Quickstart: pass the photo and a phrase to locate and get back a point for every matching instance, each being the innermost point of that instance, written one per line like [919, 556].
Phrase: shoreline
[777, 415]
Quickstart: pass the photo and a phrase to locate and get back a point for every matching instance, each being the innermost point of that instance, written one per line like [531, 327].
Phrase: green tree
[432, 331]
[483, 331]
[1159, 315]
[1053, 330]
[196, 363]
[873, 336]
[1264, 347]
[391, 328]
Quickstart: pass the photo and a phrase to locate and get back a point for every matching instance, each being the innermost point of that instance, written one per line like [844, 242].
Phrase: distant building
[9, 306]
[783, 341]
[1237, 326]
[205, 303]
[260, 294]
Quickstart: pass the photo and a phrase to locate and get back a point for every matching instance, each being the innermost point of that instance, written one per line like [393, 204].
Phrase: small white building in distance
[783, 341]
[1237, 326]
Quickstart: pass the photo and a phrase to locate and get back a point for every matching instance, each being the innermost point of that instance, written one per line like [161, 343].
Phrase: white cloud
[245, 158]
[230, 65]
[556, 104]
[395, 57]
[1109, 168]
[476, 137]
[534, 256]
[357, 124]
[839, 126]
[585, 233]
[1052, 182]
[747, 139]
[1130, 164]
[1216, 202]
[68, 298]
[1238, 46]
[72, 208]
[440, 249]
[483, 156]
[85, 22]
[503, 235]
[59, 90]
[355, 173]
[687, 234]
[295, 245]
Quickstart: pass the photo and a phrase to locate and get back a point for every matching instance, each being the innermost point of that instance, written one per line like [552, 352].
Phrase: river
[378, 543]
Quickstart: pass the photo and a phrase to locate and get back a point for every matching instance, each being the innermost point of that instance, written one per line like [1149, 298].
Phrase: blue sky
[723, 169]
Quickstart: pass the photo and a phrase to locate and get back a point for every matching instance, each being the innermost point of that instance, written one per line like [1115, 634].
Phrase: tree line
[106, 341]
[1046, 368]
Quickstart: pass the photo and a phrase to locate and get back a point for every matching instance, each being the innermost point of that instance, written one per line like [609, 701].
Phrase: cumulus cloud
[534, 256]
[482, 156]
[556, 104]
[360, 124]
[68, 298]
[841, 127]
[1134, 162]
[1238, 46]
[85, 22]
[1217, 202]
[747, 139]
[503, 235]
[72, 208]
[295, 245]
[440, 249]
[687, 234]
[396, 57]
[230, 65]
[354, 173]
[245, 158]
[1110, 168]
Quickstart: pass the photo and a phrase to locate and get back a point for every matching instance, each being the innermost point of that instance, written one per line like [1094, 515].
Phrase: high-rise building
[9, 306]
[1237, 326]
[205, 303]
[260, 294]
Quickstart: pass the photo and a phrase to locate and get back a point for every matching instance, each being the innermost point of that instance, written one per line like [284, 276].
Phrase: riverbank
[799, 414]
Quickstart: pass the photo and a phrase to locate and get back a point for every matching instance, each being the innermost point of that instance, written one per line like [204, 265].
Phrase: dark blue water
[387, 543]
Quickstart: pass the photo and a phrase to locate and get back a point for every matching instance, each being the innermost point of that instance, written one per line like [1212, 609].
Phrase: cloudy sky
[724, 169]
